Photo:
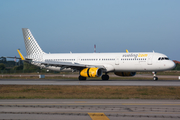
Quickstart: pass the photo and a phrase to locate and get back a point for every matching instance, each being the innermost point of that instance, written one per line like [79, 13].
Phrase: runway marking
[98, 116]
[79, 103]
[146, 104]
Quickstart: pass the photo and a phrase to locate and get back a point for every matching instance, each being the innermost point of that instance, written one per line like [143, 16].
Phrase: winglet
[127, 51]
[22, 57]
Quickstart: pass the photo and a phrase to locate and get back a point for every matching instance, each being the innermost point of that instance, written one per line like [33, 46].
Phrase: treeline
[25, 67]
[14, 66]
[177, 67]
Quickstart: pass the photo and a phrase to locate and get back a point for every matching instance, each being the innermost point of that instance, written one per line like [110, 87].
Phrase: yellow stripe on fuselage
[98, 116]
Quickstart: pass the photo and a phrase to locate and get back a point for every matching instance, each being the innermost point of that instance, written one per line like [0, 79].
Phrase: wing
[69, 65]
[10, 57]
[21, 57]
[26, 59]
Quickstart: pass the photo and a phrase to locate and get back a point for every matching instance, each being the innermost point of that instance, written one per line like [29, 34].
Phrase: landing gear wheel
[155, 78]
[81, 78]
[105, 77]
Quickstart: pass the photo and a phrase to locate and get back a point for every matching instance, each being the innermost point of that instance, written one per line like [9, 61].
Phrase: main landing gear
[105, 77]
[155, 78]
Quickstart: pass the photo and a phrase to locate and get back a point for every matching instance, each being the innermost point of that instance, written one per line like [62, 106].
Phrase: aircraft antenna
[94, 48]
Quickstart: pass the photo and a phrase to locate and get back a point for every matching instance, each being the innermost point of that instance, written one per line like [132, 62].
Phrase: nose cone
[171, 65]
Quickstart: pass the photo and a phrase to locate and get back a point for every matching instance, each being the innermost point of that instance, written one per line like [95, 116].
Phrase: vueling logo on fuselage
[142, 55]
[135, 55]
[130, 55]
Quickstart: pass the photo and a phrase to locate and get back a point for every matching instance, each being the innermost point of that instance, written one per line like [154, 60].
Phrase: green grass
[87, 92]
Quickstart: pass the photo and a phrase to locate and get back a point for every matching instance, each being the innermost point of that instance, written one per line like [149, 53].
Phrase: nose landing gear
[155, 78]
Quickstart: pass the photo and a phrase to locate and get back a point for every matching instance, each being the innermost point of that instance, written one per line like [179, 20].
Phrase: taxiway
[89, 82]
[113, 109]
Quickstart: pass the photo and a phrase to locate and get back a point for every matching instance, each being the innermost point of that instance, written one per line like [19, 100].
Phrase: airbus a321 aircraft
[95, 64]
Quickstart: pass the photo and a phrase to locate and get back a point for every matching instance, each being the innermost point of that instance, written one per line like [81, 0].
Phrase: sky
[61, 26]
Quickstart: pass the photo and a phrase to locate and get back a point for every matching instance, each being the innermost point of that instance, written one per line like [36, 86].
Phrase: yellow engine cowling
[125, 73]
[91, 72]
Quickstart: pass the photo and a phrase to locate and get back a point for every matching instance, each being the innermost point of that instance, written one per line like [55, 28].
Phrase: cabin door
[149, 61]
[117, 60]
[78, 59]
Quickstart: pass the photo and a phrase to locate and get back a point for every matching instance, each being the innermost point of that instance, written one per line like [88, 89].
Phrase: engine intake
[125, 73]
[91, 72]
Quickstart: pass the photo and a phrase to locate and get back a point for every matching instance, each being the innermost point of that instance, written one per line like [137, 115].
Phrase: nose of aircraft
[171, 65]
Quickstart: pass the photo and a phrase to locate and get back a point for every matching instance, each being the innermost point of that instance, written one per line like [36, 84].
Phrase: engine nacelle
[91, 72]
[125, 73]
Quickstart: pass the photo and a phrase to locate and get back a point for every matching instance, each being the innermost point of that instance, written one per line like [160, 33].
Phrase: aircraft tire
[105, 77]
[155, 78]
[81, 78]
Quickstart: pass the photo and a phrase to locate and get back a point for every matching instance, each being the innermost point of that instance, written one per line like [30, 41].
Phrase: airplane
[92, 65]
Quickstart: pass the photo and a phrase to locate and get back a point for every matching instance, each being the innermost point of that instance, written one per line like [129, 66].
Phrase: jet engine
[91, 72]
[125, 73]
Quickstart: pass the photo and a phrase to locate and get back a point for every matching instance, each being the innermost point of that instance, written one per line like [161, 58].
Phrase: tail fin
[32, 47]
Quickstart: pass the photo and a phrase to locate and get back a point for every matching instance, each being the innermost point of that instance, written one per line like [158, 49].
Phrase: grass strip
[88, 92]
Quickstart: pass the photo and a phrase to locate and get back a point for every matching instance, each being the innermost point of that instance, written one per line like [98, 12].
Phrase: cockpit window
[163, 58]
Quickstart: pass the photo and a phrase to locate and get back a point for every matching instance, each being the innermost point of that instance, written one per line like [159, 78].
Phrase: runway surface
[89, 82]
[85, 109]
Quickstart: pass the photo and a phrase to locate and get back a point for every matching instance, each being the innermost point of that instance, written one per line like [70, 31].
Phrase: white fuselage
[113, 62]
